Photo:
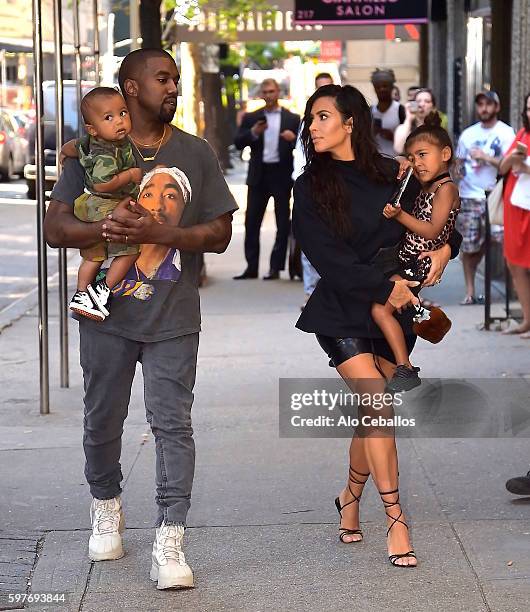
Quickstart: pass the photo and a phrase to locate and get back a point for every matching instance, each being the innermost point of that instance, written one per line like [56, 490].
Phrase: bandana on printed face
[180, 178]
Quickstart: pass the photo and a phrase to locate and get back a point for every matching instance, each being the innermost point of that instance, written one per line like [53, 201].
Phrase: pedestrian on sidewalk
[338, 220]
[416, 110]
[387, 114]
[479, 153]
[270, 132]
[516, 168]
[309, 274]
[156, 322]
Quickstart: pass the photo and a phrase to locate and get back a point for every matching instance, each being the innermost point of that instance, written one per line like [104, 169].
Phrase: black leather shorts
[340, 350]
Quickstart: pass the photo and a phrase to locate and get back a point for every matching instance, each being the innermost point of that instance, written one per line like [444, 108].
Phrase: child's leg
[87, 272]
[118, 269]
[389, 325]
[383, 315]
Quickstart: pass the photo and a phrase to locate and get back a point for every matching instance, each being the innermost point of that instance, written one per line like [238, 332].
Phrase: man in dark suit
[271, 134]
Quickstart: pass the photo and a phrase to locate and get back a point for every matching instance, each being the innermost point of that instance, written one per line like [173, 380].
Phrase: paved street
[263, 528]
[15, 189]
[18, 252]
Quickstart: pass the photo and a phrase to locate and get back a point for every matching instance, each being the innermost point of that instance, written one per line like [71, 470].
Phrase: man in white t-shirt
[387, 114]
[479, 153]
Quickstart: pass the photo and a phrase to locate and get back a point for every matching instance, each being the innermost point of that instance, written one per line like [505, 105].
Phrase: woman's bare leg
[375, 449]
[521, 281]
[358, 474]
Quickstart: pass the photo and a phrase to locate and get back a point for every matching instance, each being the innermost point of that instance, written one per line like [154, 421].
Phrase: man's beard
[487, 117]
[166, 113]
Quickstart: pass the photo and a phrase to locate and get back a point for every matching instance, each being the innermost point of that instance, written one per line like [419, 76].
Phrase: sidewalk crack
[460, 543]
[466, 557]
[142, 444]
[38, 549]
[87, 585]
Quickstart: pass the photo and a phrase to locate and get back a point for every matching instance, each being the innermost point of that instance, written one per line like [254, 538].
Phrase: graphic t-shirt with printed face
[159, 298]
[477, 175]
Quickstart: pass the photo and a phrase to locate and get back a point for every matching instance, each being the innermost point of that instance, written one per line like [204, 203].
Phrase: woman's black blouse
[349, 284]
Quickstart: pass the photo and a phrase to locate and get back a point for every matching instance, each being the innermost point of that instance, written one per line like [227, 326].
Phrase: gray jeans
[109, 365]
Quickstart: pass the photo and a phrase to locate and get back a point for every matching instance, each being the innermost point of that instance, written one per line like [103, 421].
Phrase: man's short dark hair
[323, 75]
[134, 62]
[383, 75]
[92, 96]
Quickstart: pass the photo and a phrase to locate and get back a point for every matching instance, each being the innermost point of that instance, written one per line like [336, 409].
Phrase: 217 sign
[337, 12]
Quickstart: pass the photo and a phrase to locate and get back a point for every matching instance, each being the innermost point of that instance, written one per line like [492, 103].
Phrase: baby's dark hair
[432, 131]
[92, 96]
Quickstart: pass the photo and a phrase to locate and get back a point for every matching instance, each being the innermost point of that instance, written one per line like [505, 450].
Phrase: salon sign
[361, 12]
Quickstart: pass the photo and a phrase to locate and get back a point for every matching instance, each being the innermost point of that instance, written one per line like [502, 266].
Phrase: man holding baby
[184, 209]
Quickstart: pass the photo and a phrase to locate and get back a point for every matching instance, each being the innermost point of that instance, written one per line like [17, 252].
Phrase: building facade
[474, 45]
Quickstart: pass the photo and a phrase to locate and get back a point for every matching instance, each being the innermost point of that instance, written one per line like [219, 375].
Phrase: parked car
[18, 133]
[23, 122]
[13, 147]
[70, 131]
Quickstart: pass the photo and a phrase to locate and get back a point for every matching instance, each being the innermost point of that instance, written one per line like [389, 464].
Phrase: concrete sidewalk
[263, 528]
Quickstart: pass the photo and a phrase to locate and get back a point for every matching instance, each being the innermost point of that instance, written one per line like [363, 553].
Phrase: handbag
[496, 204]
[435, 327]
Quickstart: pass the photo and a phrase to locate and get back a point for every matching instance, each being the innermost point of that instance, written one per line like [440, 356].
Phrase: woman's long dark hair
[327, 185]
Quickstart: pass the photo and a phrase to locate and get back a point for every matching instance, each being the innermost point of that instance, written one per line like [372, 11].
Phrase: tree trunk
[213, 114]
[213, 107]
[195, 53]
[150, 24]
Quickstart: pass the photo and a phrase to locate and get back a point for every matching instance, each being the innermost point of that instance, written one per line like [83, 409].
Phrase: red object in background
[2, 137]
[331, 50]
[412, 31]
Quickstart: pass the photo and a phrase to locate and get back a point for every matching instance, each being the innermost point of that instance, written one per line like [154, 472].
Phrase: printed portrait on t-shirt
[164, 192]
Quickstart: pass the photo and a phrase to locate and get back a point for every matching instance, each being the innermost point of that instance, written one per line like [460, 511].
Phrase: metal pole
[108, 58]
[134, 23]
[41, 210]
[4, 77]
[96, 42]
[59, 138]
[487, 271]
[77, 55]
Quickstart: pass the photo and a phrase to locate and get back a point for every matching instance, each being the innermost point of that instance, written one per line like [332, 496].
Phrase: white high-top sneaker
[108, 523]
[169, 565]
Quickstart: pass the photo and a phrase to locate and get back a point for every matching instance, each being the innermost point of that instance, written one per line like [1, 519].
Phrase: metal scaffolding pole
[59, 131]
[96, 42]
[41, 211]
[4, 76]
[77, 73]
[134, 23]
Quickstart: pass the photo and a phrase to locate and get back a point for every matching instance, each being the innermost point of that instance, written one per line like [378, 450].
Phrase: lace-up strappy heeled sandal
[394, 558]
[352, 477]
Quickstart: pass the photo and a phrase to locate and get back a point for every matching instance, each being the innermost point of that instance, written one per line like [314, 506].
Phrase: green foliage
[228, 11]
[265, 55]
